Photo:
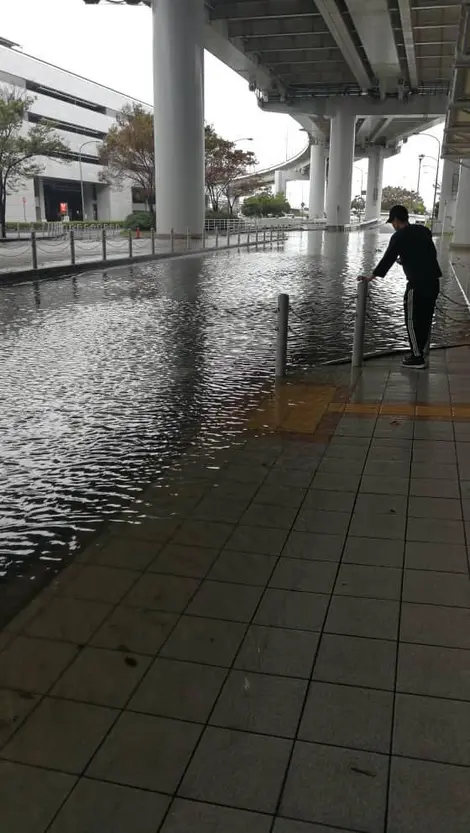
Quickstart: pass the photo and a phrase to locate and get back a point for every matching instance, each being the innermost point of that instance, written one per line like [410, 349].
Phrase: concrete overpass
[354, 73]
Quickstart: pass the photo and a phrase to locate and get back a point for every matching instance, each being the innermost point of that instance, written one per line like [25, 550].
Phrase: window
[70, 128]
[61, 96]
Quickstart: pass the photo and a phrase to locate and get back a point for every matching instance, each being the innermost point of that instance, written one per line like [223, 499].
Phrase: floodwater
[107, 377]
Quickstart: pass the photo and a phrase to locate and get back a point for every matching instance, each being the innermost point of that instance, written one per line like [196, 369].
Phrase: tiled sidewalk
[283, 646]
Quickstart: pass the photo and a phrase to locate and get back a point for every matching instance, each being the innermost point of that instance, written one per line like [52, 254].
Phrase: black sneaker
[414, 362]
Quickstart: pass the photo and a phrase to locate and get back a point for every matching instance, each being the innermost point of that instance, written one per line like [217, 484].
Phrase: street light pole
[430, 136]
[420, 162]
[82, 188]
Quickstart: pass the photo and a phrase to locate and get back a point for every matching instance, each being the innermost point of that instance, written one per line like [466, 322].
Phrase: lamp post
[243, 139]
[420, 162]
[430, 136]
[88, 142]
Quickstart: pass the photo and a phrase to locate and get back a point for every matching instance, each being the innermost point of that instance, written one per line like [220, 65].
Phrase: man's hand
[366, 278]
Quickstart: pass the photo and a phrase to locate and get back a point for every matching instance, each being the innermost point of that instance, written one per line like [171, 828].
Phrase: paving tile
[435, 671]
[238, 769]
[434, 470]
[434, 452]
[147, 528]
[14, 708]
[146, 752]
[289, 826]
[379, 552]
[140, 631]
[243, 567]
[336, 786]
[317, 520]
[101, 584]
[328, 501]
[351, 427]
[434, 625]
[214, 508]
[356, 661]
[363, 617]
[105, 678]
[289, 477]
[245, 474]
[314, 545]
[29, 798]
[380, 504]
[394, 428]
[432, 729]
[429, 487]
[389, 453]
[278, 651]
[376, 485]
[131, 554]
[444, 797]
[333, 465]
[260, 703]
[195, 816]
[336, 482]
[435, 530]
[301, 574]
[369, 582]
[292, 609]
[182, 690]
[280, 495]
[71, 620]
[179, 560]
[348, 450]
[222, 600]
[257, 539]
[34, 665]
[95, 807]
[433, 430]
[156, 591]
[60, 735]
[267, 515]
[427, 556]
[203, 534]
[232, 490]
[378, 526]
[301, 462]
[437, 588]
[340, 715]
[204, 640]
[387, 468]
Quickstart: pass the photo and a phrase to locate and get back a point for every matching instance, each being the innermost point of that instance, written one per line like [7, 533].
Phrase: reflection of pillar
[178, 51]
[316, 206]
[338, 200]
[280, 182]
[462, 209]
[374, 184]
[448, 195]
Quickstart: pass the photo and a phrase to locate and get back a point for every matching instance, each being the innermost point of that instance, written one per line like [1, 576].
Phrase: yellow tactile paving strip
[300, 409]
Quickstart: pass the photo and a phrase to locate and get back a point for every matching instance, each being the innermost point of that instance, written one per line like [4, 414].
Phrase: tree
[265, 204]
[128, 152]
[358, 205]
[19, 150]
[225, 165]
[392, 195]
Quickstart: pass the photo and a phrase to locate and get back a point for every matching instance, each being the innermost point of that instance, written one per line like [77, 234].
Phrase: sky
[112, 45]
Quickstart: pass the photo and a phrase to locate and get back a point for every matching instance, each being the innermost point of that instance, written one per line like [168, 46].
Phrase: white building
[83, 112]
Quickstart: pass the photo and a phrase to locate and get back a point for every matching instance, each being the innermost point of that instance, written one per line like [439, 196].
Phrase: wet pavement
[280, 645]
[108, 378]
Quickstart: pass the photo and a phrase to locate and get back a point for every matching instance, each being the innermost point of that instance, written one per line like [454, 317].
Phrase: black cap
[398, 212]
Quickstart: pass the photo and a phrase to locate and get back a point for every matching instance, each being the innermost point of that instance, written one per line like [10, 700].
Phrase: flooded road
[107, 377]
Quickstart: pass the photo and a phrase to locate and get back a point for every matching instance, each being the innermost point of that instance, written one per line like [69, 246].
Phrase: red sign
[64, 209]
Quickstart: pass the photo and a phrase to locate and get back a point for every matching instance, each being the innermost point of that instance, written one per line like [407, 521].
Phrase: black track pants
[419, 303]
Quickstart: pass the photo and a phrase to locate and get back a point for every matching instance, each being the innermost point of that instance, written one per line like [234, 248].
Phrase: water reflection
[107, 377]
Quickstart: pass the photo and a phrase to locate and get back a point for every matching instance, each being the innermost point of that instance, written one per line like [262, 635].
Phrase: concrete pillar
[462, 209]
[448, 195]
[316, 205]
[178, 52]
[374, 184]
[280, 182]
[338, 200]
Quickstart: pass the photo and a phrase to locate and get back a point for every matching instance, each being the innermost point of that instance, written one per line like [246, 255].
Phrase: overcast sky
[113, 46]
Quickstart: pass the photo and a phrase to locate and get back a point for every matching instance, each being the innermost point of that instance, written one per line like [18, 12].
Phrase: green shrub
[139, 219]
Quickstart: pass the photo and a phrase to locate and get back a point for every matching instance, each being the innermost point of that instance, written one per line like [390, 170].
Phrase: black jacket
[413, 244]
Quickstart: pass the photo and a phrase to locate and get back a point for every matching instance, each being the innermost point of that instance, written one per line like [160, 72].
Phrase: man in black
[413, 246]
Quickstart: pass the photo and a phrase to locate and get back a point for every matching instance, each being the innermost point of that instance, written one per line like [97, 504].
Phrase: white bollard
[360, 324]
[103, 242]
[72, 247]
[34, 250]
[216, 237]
[282, 331]
[130, 243]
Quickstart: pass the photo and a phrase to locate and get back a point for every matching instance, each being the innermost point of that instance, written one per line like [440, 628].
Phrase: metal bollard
[217, 237]
[34, 250]
[172, 240]
[188, 239]
[152, 240]
[103, 243]
[256, 238]
[264, 237]
[359, 324]
[130, 243]
[248, 238]
[239, 237]
[271, 237]
[228, 235]
[277, 236]
[282, 330]
[72, 247]
[18, 229]
[203, 238]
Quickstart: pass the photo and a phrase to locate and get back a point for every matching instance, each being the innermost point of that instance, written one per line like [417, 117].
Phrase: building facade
[83, 112]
